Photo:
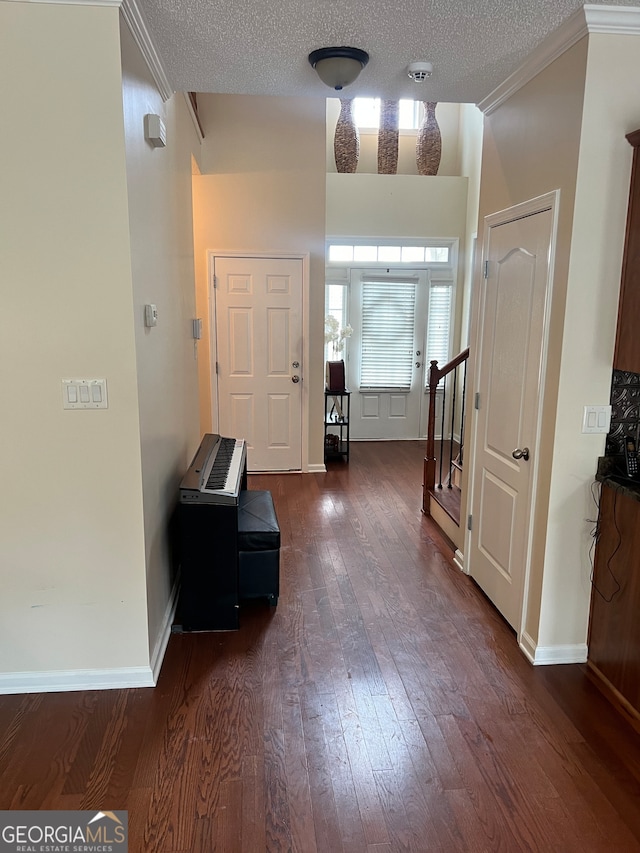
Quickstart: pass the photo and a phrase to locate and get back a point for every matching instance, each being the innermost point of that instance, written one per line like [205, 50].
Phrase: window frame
[402, 242]
[439, 272]
[418, 111]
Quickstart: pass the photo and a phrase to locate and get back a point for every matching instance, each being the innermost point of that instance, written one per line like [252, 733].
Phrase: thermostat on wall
[154, 130]
[150, 315]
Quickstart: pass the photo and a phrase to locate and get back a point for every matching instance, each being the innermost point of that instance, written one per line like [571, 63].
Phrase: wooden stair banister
[435, 375]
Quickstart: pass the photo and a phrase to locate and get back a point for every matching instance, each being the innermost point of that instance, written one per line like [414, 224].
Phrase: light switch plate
[84, 394]
[596, 419]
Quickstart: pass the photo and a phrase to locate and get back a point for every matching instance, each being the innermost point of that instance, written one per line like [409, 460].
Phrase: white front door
[258, 309]
[385, 371]
[510, 365]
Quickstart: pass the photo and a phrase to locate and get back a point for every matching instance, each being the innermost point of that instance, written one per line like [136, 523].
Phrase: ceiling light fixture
[419, 71]
[337, 67]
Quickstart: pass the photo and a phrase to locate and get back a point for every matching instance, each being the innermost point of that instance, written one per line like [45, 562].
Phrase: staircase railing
[452, 392]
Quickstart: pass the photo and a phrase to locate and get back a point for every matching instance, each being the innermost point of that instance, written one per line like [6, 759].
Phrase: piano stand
[258, 547]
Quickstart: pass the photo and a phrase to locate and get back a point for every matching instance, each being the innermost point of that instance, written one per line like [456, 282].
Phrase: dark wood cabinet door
[614, 629]
[627, 350]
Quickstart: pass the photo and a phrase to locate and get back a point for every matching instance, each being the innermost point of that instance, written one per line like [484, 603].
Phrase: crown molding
[591, 18]
[72, 2]
[138, 29]
[194, 117]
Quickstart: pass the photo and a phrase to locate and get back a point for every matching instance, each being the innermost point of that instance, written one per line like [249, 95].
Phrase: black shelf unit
[337, 415]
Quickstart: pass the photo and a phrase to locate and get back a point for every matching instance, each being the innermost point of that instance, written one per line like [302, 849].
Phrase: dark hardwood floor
[383, 706]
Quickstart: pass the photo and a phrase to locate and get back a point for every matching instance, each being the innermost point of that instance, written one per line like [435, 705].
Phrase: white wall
[160, 218]
[262, 189]
[72, 556]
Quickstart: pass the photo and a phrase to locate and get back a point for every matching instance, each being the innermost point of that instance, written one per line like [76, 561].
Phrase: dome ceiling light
[337, 67]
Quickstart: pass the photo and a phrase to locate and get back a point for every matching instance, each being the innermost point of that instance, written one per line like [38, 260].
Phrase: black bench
[258, 546]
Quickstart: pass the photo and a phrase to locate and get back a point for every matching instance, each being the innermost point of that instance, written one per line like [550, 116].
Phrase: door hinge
[215, 281]
[469, 522]
[217, 371]
[477, 400]
[486, 269]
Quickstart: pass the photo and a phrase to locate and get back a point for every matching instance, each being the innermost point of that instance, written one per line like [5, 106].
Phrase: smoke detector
[419, 71]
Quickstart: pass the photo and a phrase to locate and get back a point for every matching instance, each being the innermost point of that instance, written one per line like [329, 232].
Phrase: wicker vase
[388, 138]
[429, 142]
[346, 142]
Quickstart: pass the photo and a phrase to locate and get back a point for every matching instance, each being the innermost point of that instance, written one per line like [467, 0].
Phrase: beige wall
[540, 140]
[471, 128]
[72, 549]
[262, 190]
[611, 110]
[160, 221]
[530, 147]
[395, 206]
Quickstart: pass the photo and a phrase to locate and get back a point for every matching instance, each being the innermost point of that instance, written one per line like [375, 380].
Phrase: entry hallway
[382, 707]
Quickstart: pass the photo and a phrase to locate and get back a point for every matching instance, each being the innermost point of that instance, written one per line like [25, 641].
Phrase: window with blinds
[439, 324]
[388, 321]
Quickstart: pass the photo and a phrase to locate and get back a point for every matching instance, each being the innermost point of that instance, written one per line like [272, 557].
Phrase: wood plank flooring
[382, 707]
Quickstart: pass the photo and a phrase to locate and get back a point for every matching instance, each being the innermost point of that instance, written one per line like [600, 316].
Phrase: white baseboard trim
[550, 655]
[317, 469]
[458, 559]
[58, 681]
[163, 638]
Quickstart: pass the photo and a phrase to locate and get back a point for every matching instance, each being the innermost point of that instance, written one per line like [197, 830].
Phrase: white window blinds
[388, 321]
[439, 323]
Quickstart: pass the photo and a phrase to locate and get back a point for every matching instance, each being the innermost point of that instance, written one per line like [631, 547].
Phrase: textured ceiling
[259, 47]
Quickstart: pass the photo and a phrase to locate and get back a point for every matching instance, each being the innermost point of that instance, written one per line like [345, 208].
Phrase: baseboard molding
[58, 681]
[613, 695]
[317, 469]
[458, 559]
[550, 655]
[163, 639]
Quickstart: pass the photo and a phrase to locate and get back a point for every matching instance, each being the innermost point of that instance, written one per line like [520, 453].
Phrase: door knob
[295, 378]
[521, 454]
[417, 364]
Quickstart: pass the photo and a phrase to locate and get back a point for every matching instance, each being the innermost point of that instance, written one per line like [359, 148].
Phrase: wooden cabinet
[627, 350]
[614, 628]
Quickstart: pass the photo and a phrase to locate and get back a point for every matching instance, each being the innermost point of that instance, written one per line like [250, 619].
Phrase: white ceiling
[259, 47]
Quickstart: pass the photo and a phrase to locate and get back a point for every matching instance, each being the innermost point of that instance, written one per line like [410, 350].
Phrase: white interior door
[258, 309]
[510, 362]
[386, 372]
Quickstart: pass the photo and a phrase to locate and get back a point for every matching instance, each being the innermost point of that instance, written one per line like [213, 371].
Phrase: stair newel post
[430, 458]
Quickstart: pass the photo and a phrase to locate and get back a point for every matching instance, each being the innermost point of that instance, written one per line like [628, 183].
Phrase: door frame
[304, 257]
[548, 201]
[420, 275]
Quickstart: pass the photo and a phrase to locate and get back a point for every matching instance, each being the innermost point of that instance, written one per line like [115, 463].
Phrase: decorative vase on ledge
[429, 141]
[388, 138]
[346, 142]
